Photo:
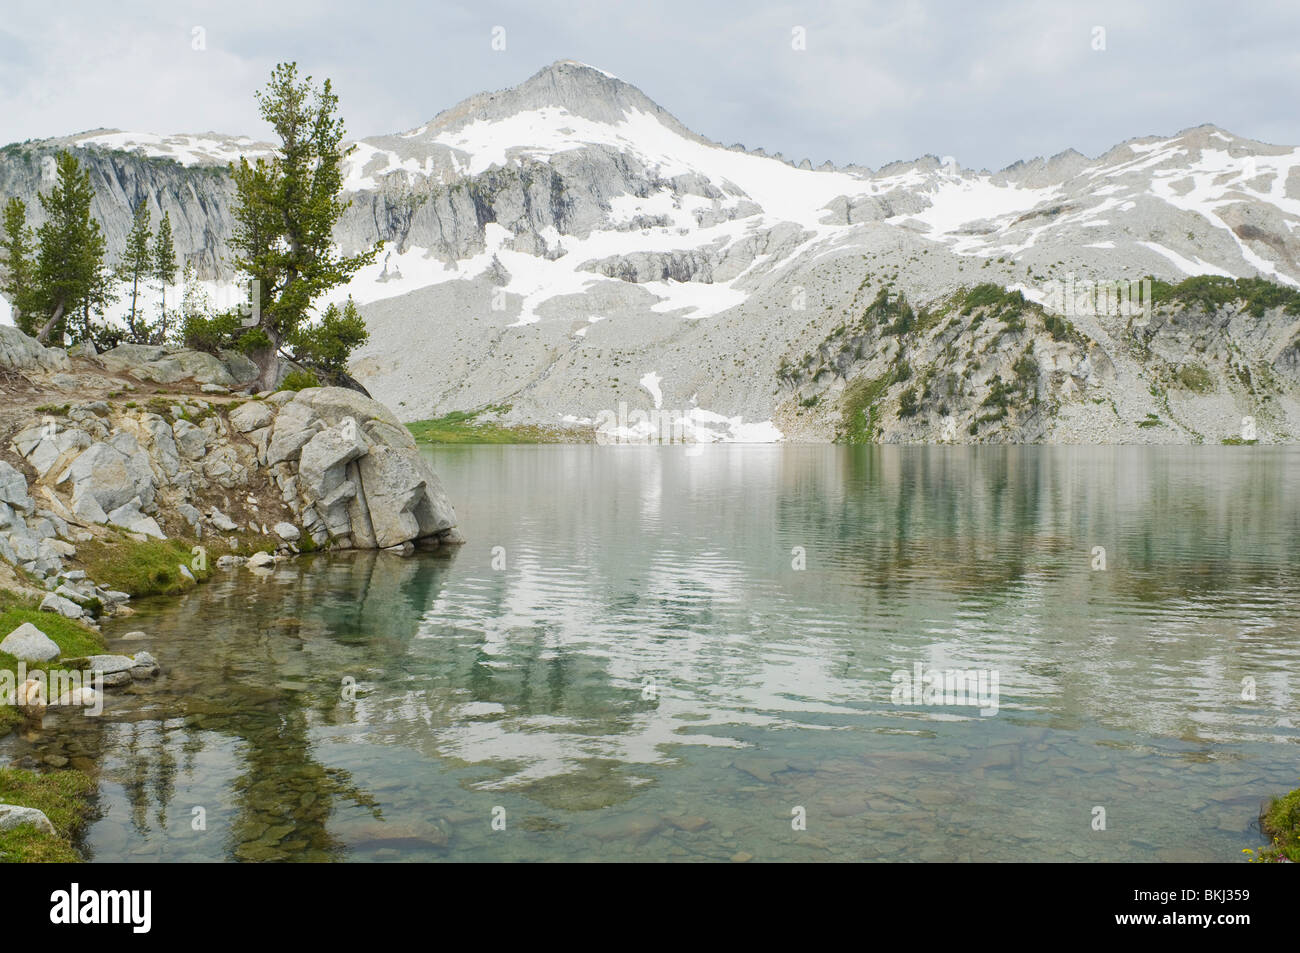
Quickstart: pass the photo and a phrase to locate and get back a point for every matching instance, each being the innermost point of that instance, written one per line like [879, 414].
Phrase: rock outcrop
[326, 465]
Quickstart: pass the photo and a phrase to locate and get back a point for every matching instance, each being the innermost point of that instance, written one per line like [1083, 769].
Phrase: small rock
[286, 531]
[11, 816]
[64, 607]
[221, 521]
[259, 560]
[741, 857]
[111, 664]
[30, 644]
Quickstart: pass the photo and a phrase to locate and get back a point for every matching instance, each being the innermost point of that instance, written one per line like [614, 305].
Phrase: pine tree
[71, 247]
[164, 269]
[135, 267]
[285, 213]
[17, 281]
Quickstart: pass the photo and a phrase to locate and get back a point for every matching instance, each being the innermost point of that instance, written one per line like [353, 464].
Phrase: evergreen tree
[71, 248]
[164, 269]
[285, 213]
[17, 281]
[136, 266]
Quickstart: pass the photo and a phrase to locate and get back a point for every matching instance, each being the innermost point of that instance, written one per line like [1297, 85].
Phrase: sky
[986, 83]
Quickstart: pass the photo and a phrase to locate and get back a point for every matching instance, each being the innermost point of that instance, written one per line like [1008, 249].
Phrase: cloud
[988, 83]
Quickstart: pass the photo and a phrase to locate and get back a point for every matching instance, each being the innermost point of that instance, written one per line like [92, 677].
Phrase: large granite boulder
[18, 352]
[359, 472]
[105, 477]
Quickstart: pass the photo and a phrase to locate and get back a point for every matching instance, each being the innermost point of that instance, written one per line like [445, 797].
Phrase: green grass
[73, 639]
[1195, 378]
[858, 411]
[64, 797]
[1280, 822]
[150, 568]
[463, 426]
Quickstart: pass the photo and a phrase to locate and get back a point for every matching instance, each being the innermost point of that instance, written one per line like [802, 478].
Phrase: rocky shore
[138, 470]
[157, 444]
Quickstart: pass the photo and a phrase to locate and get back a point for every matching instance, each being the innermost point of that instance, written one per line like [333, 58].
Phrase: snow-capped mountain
[556, 245]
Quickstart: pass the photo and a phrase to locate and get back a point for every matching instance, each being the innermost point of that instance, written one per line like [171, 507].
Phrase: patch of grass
[150, 568]
[1280, 822]
[1195, 378]
[73, 639]
[463, 426]
[858, 408]
[1151, 421]
[63, 796]
[54, 410]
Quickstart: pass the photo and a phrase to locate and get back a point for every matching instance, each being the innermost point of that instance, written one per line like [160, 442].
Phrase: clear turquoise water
[647, 677]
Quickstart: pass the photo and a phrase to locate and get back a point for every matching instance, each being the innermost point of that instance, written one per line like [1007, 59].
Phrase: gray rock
[64, 607]
[191, 440]
[190, 515]
[12, 816]
[104, 478]
[20, 353]
[325, 457]
[128, 516]
[260, 560]
[111, 664]
[286, 531]
[251, 416]
[30, 643]
[404, 497]
[222, 522]
[13, 488]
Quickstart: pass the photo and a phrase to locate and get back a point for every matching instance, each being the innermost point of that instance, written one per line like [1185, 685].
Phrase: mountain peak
[579, 89]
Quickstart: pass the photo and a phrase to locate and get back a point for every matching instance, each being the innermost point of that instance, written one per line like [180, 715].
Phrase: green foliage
[1057, 327]
[858, 411]
[298, 380]
[990, 295]
[134, 269]
[329, 342]
[894, 313]
[1280, 822]
[163, 270]
[286, 209]
[69, 262]
[18, 279]
[208, 332]
[907, 403]
[1211, 292]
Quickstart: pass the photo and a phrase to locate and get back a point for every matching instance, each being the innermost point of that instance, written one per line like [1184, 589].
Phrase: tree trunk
[44, 334]
[267, 360]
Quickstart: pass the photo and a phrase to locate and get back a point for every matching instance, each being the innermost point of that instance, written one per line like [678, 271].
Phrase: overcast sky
[987, 82]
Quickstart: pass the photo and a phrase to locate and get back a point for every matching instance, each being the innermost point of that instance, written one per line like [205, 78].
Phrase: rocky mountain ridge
[566, 246]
